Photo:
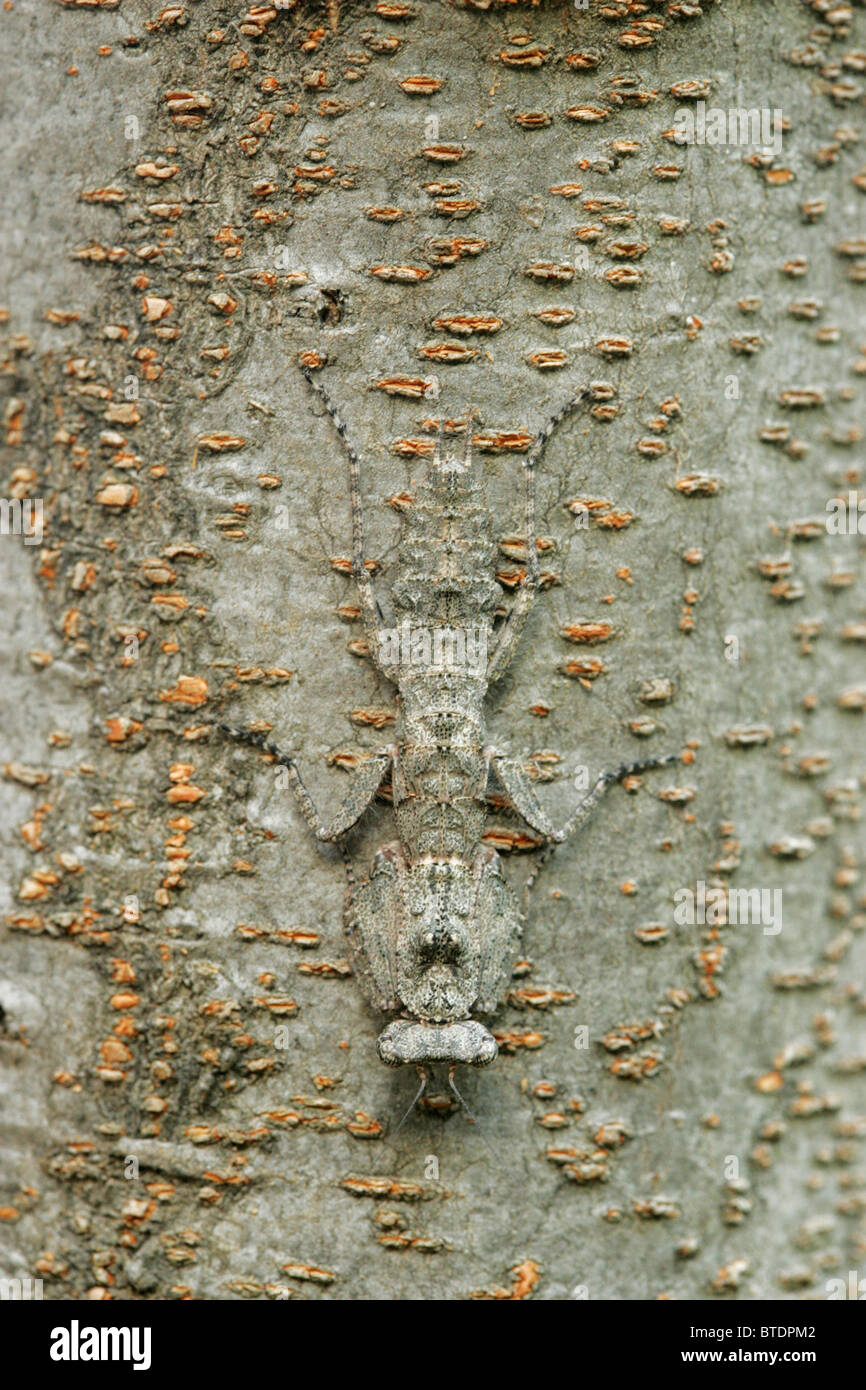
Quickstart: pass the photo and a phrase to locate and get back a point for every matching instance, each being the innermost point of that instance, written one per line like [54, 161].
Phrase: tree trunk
[442, 206]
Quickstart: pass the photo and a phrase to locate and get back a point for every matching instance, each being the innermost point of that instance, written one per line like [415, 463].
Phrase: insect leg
[514, 624]
[586, 807]
[370, 610]
[522, 794]
[366, 783]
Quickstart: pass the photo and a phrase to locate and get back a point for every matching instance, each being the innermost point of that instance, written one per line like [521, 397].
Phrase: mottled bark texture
[446, 206]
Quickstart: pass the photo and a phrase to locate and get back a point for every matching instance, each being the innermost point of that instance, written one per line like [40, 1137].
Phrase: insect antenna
[469, 1114]
[471, 417]
[422, 1072]
[440, 439]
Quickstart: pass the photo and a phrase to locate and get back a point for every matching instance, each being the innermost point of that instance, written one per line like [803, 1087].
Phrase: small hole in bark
[331, 311]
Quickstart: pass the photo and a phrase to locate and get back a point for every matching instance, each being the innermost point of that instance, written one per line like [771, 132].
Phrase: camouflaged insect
[434, 930]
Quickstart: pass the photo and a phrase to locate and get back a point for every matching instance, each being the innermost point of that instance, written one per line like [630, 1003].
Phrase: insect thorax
[440, 775]
[445, 568]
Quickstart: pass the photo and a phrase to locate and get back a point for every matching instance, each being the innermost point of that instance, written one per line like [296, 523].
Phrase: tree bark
[442, 206]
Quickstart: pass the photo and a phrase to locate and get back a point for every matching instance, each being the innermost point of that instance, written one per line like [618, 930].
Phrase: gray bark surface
[192, 1103]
